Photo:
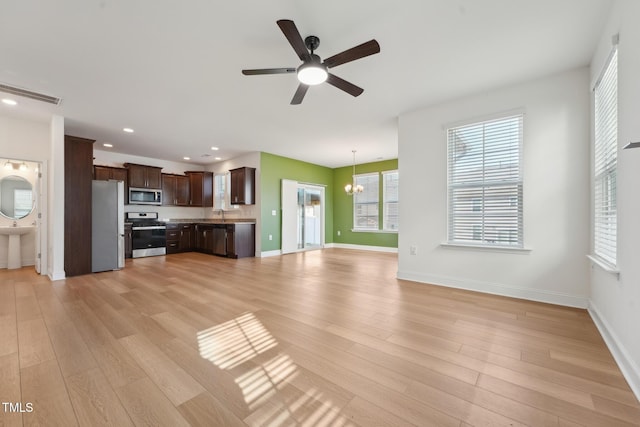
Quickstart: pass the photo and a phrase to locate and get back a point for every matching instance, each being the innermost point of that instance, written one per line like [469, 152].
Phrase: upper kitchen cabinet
[243, 186]
[105, 173]
[141, 176]
[175, 190]
[201, 188]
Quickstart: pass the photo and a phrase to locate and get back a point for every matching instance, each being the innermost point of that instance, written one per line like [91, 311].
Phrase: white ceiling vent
[29, 94]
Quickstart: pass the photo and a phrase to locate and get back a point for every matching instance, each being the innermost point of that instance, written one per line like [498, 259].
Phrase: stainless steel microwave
[145, 196]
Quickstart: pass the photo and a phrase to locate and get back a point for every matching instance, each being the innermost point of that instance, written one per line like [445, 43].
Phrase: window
[22, 203]
[390, 200]
[365, 204]
[605, 162]
[485, 183]
[220, 191]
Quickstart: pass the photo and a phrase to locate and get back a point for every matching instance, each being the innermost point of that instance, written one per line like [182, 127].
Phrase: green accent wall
[273, 169]
[343, 207]
[338, 206]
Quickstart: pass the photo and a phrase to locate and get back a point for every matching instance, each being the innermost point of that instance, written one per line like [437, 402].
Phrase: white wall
[615, 302]
[556, 194]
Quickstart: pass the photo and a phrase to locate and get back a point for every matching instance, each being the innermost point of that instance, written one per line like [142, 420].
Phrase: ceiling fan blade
[295, 39]
[344, 85]
[268, 71]
[300, 93]
[365, 49]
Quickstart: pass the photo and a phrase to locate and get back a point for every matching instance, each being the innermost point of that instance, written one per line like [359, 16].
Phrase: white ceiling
[171, 69]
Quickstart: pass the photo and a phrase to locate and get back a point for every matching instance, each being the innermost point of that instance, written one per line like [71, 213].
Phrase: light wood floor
[324, 338]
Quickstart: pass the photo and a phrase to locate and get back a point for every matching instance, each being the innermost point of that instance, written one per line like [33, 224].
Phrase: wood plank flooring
[323, 338]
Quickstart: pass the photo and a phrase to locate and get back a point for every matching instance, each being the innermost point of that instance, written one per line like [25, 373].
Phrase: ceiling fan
[313, 71]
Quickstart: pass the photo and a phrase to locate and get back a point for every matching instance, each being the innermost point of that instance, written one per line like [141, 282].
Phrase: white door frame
[289, 227]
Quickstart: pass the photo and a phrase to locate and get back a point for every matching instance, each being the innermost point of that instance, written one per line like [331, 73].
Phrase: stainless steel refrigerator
[107, 229]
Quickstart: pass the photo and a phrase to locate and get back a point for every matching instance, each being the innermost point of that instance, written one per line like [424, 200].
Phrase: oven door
[149, 241]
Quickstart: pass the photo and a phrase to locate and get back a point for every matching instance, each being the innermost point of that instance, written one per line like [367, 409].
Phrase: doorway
[302, 216]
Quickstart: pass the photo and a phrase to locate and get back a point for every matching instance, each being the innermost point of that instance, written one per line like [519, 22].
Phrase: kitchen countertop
[210, 221]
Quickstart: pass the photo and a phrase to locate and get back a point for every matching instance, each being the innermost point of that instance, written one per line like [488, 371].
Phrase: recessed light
[9, 101]
[187, 158]
[215, 148]
[128, 130]
[107, 145]
[218, 158]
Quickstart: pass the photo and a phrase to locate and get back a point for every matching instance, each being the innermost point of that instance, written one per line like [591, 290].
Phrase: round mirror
[16, 198]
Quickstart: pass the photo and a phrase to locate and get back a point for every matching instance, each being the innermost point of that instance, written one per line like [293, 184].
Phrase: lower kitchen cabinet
[204, 238]
[241, 240]
[179, 237]
[232, 240]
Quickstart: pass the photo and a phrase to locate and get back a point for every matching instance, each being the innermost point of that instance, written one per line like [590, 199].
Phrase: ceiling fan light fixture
[312, 73]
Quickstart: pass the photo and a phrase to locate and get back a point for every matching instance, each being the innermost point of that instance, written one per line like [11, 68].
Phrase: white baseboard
[362, 247]
[626, 363]
[338, 245]
[53, 275]
[498, 289]
[266, 254]
[25, 263]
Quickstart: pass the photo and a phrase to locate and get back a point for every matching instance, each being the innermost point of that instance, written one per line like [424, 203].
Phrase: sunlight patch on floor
[268, 387]
[234, 342]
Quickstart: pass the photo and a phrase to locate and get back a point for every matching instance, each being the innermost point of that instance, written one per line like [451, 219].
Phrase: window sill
[361, 230]
[506, 249]
[604, 265]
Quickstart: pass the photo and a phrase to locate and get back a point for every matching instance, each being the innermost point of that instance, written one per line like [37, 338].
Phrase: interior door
[38, 201]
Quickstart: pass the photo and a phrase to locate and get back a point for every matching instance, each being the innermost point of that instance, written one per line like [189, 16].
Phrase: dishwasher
[220, 239]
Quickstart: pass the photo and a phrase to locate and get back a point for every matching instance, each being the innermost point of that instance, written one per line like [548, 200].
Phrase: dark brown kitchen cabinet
[204, 238]
[173, 238]
[175, 190]
[128, 243]
[141, 176]
[243, 186]
[186, 237]
[105, 173]
[200, 188]
[235, 240]
[78, 174]
[241, 240]
[179, 237]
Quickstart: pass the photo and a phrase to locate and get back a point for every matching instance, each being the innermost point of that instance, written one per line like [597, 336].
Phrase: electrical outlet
[338, 232]
[273, 212]
[270, 236]
[413, 250]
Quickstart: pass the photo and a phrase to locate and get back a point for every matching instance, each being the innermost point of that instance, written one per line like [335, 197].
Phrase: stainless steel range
[149, 234]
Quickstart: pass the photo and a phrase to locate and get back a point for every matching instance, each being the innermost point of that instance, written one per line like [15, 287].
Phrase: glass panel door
[302, 216]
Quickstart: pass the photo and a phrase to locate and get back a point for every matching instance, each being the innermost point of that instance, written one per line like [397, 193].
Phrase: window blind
[605, 163]
[365, 204]
[220, 191]
[485, 182]
[390, 190]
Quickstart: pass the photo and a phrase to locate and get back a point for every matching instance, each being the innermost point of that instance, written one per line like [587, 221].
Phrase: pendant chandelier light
[352, 189]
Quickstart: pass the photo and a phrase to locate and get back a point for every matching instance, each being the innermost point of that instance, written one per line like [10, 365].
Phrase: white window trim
[353, 204]
[596, 259]
[384, 194]
[489, 246]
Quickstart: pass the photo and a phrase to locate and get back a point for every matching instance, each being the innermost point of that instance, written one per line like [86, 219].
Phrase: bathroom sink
[11, 231]
[14, 259]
